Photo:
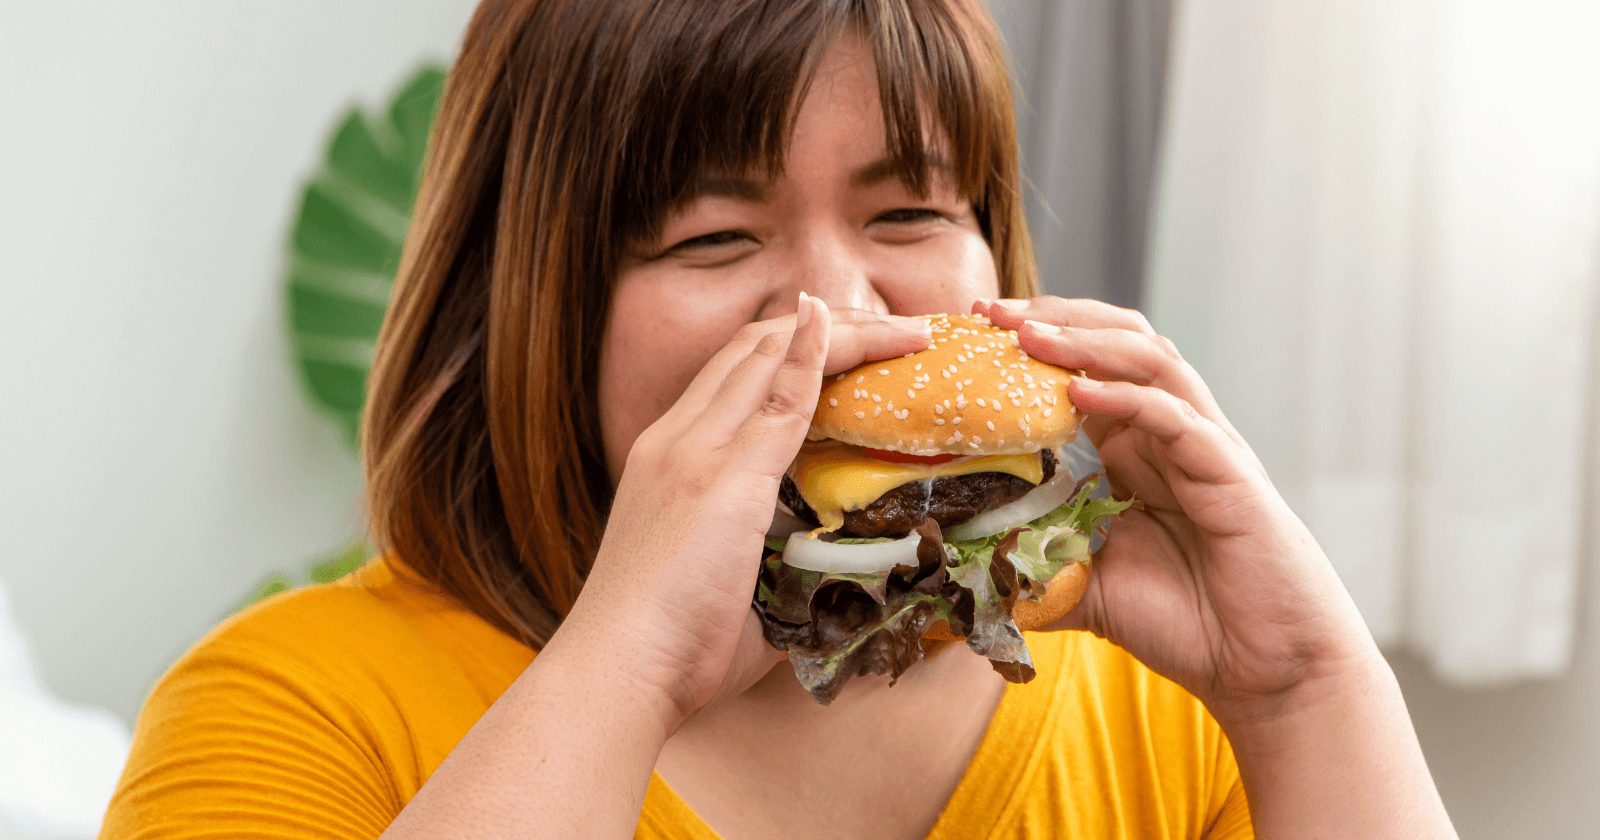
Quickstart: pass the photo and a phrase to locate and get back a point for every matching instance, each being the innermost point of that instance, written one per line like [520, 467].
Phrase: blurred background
[1373, 225]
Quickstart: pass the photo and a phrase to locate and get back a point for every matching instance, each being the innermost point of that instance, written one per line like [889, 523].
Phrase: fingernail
[802, 311]
[1012, 306]
[1042, 328]
[985, 302]
[1086, 383]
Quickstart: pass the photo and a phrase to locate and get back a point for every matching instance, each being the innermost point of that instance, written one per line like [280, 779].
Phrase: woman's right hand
[670, 589]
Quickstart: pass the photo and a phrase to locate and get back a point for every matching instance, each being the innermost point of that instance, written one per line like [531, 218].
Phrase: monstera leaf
[346, 241]
[343, 253]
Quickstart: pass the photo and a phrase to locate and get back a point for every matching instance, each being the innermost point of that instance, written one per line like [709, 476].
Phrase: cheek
[944, 275]
[658, 336]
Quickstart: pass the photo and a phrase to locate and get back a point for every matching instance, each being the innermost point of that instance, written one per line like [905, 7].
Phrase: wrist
[608, 655]
[1335, 688]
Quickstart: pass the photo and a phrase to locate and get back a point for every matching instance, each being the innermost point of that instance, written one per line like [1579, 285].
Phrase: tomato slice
[903, 458]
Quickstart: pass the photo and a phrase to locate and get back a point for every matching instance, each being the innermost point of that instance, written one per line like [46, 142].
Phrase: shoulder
[334, 700]
[377, 620]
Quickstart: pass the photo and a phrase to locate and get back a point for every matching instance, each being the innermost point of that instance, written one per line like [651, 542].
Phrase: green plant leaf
[345, 243]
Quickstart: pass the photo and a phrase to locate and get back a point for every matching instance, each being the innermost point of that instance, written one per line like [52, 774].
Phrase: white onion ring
[1038, 502]
[819, 555]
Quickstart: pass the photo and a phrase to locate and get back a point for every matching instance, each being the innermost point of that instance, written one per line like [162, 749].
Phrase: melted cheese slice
[834, 477]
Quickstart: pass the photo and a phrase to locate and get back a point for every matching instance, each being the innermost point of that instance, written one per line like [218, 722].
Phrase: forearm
[566, 751]
[1337, 757]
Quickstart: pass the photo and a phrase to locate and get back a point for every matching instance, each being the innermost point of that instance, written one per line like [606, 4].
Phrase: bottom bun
[1061, 594]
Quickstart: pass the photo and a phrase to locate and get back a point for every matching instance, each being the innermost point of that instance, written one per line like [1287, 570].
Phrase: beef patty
[949, 500]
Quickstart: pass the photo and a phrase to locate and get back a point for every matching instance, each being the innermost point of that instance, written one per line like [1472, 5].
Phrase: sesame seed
[990, 424]
[938, 421]
[883, 371]
[958, 433]
[968, 381]
[833, 403]
[976, 440]
[839, 378]
[860, 379]
[877, 410]
[938, 409]
[918, 385]
[946, 373]
[1047, 412]
[876, 398]
[910, 393]
[861, 415]
[981, 403]
[958, 386]
[917, 366]
[956, 422]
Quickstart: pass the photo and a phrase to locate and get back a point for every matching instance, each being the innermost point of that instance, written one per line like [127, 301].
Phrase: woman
[645, 233]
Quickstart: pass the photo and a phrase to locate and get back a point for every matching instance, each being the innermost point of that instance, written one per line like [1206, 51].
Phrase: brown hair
[568, 127]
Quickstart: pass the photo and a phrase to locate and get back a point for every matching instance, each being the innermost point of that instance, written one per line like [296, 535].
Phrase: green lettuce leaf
[836, 626]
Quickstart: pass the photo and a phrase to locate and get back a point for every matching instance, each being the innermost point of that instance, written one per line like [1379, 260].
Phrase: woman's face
[836, 223]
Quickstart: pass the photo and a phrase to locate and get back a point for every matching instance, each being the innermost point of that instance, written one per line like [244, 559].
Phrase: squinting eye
[907, 214]
[711, 240]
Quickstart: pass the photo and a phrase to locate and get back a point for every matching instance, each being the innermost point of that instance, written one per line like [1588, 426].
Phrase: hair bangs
[719, 94]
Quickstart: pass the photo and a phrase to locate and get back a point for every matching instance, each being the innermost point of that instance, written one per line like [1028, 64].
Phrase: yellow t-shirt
[321, 712]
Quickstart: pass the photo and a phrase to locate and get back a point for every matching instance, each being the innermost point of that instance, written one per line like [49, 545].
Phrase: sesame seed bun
[1061, 594]
[973, 392]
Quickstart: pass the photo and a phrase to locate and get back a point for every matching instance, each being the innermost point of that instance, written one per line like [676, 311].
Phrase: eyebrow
[730, 187]
[886, 168]
[748, 189]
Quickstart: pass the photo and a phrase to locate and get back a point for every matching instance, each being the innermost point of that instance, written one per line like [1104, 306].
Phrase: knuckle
[1140, 323]
[783, 405]
[1166, 347]
[752, 332]
[771, 345]
[1191, 415]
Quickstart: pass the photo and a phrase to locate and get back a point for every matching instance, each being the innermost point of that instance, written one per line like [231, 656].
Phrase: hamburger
[930, 501]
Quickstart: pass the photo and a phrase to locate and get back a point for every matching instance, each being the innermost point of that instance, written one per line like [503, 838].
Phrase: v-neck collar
[993, 778]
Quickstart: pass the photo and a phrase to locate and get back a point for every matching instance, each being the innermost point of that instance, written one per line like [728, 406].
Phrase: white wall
[156, 456]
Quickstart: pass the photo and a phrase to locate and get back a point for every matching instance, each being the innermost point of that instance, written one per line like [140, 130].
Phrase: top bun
[974, 392]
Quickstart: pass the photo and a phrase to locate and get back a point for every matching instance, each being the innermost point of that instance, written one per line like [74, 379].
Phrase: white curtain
[1377, 234]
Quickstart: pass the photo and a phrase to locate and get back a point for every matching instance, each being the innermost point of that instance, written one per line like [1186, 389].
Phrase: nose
[826, 265]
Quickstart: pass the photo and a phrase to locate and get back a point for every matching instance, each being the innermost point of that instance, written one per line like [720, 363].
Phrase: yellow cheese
[834, 477]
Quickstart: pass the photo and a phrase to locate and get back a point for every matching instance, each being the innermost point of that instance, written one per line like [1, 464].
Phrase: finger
[1196, 447]
[749, 384]
[1129, 356]
[1077, 312]
[1120, 354]
[769, 437]
[883, 337]
[869, 341]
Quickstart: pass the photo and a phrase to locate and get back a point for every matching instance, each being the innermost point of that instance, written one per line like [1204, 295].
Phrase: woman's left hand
[1212, 581]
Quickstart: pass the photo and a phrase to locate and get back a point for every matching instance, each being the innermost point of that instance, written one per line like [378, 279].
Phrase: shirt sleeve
[1232, 814]
[237, 742]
